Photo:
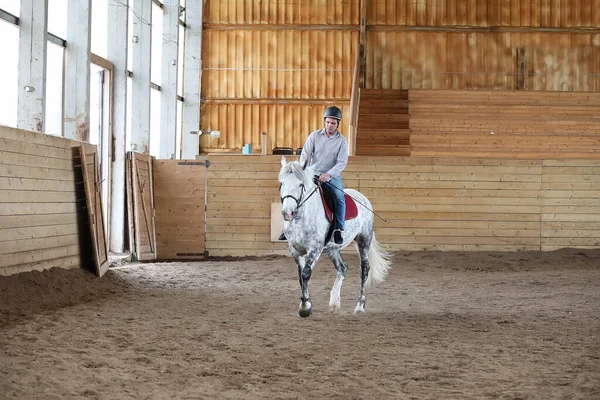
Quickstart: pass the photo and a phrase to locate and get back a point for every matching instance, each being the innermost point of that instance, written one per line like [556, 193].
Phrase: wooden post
[358, 80]
[521, 59]
[263, 146]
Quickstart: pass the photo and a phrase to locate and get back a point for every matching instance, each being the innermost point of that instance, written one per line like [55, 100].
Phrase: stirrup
[337, 236]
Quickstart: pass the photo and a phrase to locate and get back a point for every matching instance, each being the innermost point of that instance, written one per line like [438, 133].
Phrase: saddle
[328, 199]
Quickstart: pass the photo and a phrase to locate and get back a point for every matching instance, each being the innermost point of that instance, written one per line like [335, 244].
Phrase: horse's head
[295, 180]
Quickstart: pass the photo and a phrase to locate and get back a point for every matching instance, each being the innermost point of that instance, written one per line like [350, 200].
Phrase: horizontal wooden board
[42, 254]
[30, 220]
[22, 196]
[33, 232]
[35, 172]
[28, 148]
[9, 158]
[39, 184]
[17, 245]
[62, 262]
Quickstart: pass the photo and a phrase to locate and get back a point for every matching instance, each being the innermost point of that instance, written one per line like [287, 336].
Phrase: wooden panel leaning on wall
[43, 221]
[463, 204]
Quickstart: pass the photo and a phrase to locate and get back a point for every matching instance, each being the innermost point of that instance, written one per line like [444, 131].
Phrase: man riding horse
[327, 152]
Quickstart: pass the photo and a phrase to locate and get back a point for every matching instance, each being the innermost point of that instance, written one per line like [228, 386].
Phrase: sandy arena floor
[443, 326]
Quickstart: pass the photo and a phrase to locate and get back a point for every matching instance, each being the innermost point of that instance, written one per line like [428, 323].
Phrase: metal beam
[192, 78]
[118, 15]
[168, 98]
[141, 60]
[77, 71]
[33, 25]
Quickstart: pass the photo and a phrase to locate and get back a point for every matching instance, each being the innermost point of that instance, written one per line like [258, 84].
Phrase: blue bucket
[247, 149]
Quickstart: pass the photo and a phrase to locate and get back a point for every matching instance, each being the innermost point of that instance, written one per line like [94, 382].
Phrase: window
[181, 60]
[11, 6]
[157, 40]
[128, 111]
[99, 25]
[9, 67]
[178, 129]
[154, 123]
[54, 89]
[57, 18]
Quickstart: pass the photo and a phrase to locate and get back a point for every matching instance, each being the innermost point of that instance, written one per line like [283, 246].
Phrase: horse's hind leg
[363, 243]
[340, 268]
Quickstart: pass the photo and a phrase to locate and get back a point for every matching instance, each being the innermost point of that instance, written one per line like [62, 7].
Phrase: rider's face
[331, 125]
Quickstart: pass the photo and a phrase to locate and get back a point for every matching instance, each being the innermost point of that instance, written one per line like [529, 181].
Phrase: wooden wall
[439, 59]
[274, 66]
[287, 125]
[428, 203]
[505, 124]
[41, 203]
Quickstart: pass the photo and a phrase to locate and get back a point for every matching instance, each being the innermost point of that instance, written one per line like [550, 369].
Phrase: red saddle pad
[351, 209]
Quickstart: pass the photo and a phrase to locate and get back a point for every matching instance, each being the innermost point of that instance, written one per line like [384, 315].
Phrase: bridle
[299, 201]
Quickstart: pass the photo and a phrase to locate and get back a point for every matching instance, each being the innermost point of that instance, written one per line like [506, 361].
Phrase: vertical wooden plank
[545, 13]
[401, 13]
[130, 216]
[411, 13]
[515, 13]
[461, 12]
[534, 12]
[555, 12]
[91, 183]
[521, 68]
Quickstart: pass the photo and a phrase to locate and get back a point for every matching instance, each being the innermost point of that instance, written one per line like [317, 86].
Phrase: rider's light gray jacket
[326, 154]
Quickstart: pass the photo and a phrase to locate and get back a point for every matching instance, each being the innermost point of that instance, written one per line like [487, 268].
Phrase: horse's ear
[283, 161]
[305, 164]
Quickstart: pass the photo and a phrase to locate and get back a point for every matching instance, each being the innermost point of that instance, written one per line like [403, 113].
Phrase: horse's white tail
[380, 261]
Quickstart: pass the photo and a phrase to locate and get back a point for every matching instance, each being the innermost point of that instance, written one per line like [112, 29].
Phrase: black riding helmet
[333, 112]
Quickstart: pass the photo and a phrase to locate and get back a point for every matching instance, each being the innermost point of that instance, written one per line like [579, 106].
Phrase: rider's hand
[324, 177]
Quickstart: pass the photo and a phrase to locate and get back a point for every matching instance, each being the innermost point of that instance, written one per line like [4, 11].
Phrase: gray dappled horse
[305, 227]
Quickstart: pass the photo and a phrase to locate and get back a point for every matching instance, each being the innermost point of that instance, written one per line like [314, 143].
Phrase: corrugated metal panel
[281, 12]
[289, 64]
[461, 60]
[483, 13]
[287, 125]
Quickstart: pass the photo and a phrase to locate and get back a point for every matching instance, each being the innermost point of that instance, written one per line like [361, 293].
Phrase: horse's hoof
[334, 307]
[359, 310]
[305, 312]
[305, 309]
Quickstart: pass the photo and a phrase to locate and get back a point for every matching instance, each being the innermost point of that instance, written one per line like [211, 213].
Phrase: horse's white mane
[295, 168]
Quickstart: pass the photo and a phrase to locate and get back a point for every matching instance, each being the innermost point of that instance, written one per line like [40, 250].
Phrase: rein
[299, 202]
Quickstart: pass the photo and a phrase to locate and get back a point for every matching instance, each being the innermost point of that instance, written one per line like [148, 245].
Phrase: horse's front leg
[304, 273]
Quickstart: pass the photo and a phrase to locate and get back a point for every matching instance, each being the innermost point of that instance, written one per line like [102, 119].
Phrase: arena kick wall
[464, 204]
